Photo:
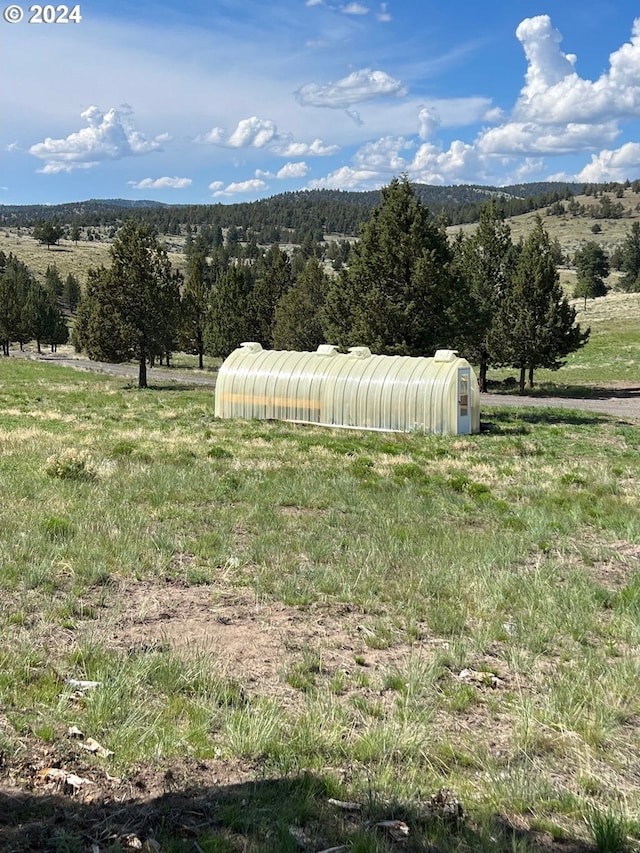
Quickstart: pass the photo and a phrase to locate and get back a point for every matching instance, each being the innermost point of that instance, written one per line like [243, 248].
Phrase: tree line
[31, 310]
[406, 289]
[403, 288]
[291, 216]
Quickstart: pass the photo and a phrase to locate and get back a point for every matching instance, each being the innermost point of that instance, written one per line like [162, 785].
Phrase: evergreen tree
[534, 325]
[592, 267]
[230, 320]
[396, 294]
[42, 316]
[485, 262]
[297, 321]
[47, 233]
[631, 260]
[52, 280]
[130, 311]
[71, 292]
[11, 303]
[273, 280]
[194, 306]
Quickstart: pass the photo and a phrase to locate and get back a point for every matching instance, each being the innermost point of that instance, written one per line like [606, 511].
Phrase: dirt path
[622, 400]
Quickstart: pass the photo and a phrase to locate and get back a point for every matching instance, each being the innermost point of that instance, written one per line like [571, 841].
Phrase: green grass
[393, 562]
[611, 355]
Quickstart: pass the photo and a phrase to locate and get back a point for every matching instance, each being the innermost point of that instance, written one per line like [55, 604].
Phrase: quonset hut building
[357, 390]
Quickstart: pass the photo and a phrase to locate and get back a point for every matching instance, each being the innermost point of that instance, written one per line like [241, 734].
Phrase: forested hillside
[293, 216]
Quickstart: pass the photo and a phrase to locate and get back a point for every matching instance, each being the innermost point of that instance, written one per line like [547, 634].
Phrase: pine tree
[71, 292]
[592, 267]
[297, 321]
[273, 280]
[485, 261]
[230, 320]
[396, 294]
[631, 260]
[534, 325]
[131, 308]
[194, 306]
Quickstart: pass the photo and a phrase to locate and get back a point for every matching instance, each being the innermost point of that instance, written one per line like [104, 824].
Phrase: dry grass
[573, 231]
[67, 257]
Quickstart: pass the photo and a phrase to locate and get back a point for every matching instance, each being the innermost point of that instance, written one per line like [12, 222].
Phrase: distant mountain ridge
[313, 212]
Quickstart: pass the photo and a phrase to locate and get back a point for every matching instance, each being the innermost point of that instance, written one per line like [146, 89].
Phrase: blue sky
[201, 101]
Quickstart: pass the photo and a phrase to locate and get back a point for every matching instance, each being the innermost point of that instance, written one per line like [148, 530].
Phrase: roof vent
[327, 349]
[445, 355]
[251, 346]
[360, 352]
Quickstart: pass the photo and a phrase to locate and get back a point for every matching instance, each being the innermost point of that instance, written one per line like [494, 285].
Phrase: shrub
[71, 465]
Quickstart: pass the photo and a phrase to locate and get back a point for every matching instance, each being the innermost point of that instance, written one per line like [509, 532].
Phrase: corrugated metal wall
[356, 389]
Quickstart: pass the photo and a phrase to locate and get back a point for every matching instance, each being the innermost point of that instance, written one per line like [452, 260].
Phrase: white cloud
[106, 136]
[236, 188]
[557, 111]
[174, 183]
[532, 138]
[358, 86]
[289, 170]
[355, 9]
[554, 93]
[428, 122]
[216, 185]
[254, 131]
[383, 155]
[616, 165]
[292, 170]
[317, 148]
[347, 178]
[214, 137]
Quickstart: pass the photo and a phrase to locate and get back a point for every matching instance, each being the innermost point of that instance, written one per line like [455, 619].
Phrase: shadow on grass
[520, 421]
[281, 814]
[571, 392]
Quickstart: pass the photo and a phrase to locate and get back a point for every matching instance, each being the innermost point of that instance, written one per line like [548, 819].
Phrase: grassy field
[611, 356]
[441, 633]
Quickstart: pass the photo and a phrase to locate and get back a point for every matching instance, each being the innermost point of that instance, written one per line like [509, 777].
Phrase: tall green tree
[592, 267]
[53, 281]
[396, 295]
[485, 262]
[630, 265]
[297, 321]
[230, 319]
[273, 279]
[71, 292]
[194, 306]
[534, 325]
[47, 233]
[131, 309]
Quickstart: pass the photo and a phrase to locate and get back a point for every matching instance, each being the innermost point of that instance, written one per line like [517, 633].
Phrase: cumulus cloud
[317, 148]
[254, 131]
[347, 178]
[617, 165]
[174, 183]
[289, 170]
[292, 170]
[257, 132]
[359, 86]
[106, 136]
[251, 186]
[554, 93]
[557, 110]
[428, 122]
